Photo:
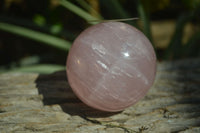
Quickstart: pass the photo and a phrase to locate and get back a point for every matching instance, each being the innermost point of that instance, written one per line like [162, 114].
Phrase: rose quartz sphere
[111, 66]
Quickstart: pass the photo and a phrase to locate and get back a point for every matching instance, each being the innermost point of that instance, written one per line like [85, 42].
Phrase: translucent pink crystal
[111, 66]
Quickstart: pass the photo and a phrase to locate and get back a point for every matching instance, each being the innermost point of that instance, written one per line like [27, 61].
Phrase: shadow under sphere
[55, 90]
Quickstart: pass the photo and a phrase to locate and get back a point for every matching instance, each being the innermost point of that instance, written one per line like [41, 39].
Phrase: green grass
[39, 68]
[37, 36]
[78, 11]
[55, 25]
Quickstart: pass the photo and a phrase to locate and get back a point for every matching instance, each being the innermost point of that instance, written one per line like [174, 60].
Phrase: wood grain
[45, 103]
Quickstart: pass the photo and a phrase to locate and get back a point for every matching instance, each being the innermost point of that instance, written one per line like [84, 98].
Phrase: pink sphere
[111, 66]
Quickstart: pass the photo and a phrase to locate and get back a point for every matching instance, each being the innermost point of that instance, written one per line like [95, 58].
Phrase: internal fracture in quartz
[111, 66]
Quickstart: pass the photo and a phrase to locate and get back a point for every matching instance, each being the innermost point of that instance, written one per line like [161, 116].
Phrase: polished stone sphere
[111, 66]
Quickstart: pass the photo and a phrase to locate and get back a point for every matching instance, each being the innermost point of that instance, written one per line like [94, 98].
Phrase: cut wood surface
[45, 103]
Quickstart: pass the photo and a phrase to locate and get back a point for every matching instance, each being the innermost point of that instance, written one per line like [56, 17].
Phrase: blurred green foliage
[40, 33]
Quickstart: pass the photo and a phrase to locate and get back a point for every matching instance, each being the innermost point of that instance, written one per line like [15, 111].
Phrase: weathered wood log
[45, 103]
